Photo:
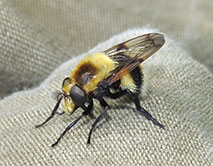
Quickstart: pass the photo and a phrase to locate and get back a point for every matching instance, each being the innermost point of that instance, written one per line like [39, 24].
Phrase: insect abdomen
[133, 80]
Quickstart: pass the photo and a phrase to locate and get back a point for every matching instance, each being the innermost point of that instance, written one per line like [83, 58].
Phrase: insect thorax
[91, 70]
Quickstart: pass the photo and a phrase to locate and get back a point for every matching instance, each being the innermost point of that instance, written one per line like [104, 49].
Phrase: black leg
[106, 107]
[135, 99]
[95, 123]
[116, 94]
[52, 114]
[87, 111]
[67, 129]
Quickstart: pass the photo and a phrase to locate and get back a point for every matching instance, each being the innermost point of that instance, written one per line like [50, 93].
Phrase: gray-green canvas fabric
[36, 37]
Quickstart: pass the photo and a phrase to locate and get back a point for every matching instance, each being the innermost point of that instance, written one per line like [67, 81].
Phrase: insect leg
[116, 94]
[142, 110]
[52, 114]
[106, 107]
[67, 129]
[87, 110]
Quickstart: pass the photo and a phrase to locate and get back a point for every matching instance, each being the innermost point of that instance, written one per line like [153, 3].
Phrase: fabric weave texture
[42, 41]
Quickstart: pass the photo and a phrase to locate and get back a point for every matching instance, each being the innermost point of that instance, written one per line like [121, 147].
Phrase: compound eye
[66, 81]
[78, 96]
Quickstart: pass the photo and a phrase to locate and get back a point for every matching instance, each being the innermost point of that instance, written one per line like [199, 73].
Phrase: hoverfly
[116, 69]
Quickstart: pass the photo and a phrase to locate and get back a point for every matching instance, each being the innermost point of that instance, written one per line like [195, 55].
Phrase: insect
[112, 73]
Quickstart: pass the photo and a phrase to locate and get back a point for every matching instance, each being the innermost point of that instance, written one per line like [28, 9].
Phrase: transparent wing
[131, 53]
[140, 47]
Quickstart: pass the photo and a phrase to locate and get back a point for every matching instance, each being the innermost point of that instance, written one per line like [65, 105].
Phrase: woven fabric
[27, 52]
[38, 36]
[175, 95]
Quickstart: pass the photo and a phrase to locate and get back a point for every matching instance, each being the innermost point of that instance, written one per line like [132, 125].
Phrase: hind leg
[135, 99]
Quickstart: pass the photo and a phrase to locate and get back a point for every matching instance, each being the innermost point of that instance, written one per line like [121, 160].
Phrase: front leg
[106, 107]
[67, 129]
[52, 114]
[87, 111]
[134, 98]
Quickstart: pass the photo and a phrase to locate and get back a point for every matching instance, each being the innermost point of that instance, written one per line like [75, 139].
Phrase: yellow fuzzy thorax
[103, 64]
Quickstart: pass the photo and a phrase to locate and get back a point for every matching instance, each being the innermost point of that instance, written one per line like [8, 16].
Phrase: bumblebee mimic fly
[117, 68]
